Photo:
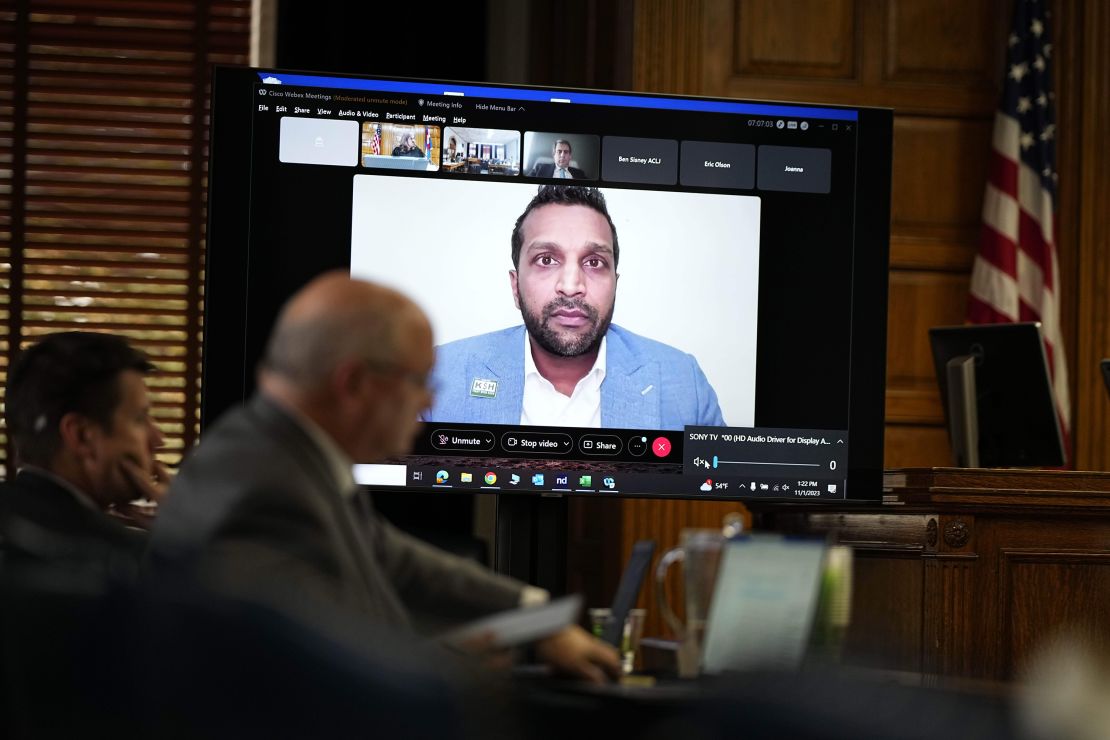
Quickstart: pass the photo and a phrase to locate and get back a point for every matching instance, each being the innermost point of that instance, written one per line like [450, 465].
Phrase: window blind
[103, 175]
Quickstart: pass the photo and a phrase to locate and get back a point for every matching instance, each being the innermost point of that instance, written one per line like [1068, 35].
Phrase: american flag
[427, 143]
[376, 140]
[1016, 276]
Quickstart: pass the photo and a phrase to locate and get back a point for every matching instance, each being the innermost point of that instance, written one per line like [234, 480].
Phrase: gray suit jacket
[255, 511]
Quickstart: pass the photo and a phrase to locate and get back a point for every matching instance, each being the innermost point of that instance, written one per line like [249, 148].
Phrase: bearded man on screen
[567, 364]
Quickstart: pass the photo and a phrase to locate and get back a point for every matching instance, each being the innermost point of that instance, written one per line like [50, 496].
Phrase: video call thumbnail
[481, 151]
[680, 255]
[399, 146]
[561, 156]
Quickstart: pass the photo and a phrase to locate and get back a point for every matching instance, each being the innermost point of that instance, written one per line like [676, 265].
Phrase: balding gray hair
[307, 351]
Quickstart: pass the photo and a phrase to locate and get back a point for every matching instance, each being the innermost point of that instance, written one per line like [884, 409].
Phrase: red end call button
[661, 447]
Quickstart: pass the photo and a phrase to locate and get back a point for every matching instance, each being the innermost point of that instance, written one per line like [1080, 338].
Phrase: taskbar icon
[513, 479]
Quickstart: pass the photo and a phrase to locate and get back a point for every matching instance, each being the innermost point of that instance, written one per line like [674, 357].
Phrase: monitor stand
[963, 414]
[531, 540]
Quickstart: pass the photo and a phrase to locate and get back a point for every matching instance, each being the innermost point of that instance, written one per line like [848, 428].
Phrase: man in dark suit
[266, 507]
[561, 152]
[79, 414]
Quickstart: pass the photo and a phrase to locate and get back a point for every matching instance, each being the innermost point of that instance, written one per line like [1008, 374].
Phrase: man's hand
[483, 648]
[577, 653]
[152, 487]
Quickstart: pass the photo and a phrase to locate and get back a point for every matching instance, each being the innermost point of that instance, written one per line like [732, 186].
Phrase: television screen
[631, 294]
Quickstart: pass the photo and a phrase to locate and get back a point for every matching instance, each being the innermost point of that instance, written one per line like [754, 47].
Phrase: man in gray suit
[265, 506]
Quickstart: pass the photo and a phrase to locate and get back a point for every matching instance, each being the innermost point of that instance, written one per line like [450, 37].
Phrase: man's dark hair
[72, 371]
[565, 195]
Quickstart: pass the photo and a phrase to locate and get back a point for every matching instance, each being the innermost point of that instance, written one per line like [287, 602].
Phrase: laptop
[628, 590]
[763, 609]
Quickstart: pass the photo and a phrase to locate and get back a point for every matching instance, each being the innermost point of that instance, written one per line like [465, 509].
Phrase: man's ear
[347, 376]
[516, 288]
[77, 433]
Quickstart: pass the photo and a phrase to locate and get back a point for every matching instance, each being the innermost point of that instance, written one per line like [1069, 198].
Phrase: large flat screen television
[632, 294]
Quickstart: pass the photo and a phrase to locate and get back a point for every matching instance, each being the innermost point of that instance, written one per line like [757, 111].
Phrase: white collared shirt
[545, 406]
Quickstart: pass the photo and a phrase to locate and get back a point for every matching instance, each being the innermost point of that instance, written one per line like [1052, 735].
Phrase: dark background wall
[383, 39]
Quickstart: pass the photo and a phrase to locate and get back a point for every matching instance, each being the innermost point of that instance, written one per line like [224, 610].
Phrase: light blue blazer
[648, 384]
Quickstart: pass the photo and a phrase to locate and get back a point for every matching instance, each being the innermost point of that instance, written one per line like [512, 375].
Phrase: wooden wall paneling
[939, 171]
[730, 69]
[918, 300]
[1052, 578]
[962, 59]
[917, 445]
[949, 649]
[805, 38]
[886, 628]
[667, 51]
[1068, 30]
[934, 248]
[568, 43]
[951, 601]
[1079, 584]
[1092, 419]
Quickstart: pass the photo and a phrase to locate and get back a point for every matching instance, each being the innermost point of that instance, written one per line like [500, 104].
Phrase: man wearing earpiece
[79, 413]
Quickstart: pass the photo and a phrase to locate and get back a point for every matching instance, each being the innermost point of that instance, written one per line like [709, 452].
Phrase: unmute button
[477, 440]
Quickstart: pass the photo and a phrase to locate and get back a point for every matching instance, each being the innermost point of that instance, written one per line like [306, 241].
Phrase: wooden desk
[967, 572]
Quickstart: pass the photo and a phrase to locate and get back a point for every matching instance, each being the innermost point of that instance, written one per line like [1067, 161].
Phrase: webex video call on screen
[630, 295]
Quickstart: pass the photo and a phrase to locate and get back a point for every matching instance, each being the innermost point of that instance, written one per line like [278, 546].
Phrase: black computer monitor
[997, 395]
[745, 356]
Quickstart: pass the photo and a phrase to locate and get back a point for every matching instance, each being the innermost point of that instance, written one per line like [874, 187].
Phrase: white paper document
[520, 625]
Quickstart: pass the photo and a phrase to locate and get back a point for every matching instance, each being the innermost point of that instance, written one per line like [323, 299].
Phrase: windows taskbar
[574, 482]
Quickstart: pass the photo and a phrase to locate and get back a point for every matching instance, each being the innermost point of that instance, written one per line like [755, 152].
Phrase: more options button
[548, 443]
[477, 440]
[600, 444]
